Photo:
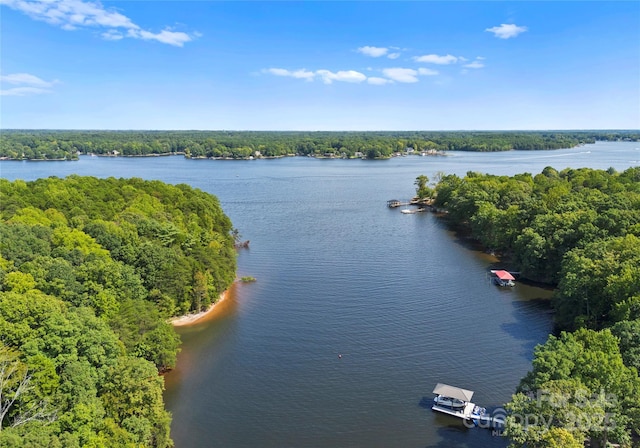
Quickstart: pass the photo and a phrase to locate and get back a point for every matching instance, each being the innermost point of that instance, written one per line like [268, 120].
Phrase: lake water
[404, 301]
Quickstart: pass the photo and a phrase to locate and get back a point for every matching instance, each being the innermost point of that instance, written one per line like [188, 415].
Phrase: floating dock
[393, 203]
[422, 204]
[481, 420]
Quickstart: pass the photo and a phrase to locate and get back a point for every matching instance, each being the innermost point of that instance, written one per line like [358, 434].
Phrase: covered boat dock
[446, 391]
[453, 392]
[503, 278]
[470, 411]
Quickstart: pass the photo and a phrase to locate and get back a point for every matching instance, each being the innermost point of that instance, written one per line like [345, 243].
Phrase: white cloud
[175, 38]
[408, 75]
[112, 35]
[436, 59]
[300, 74]
[27, 85]
[393, 55]
[379, 81]
[78, 14]
[26, 78]
[23, 91]
[506, 31]
[277, 71]
[390, 75]
[475, 64]
[326, 76]
[344, 75]
[303, 74]
[374, 52]
[427, 71]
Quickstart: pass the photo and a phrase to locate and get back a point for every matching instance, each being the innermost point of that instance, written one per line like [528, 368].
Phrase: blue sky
[330, 65]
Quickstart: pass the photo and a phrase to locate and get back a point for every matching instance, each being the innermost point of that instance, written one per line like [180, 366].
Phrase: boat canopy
[504, 275]
[453, 392]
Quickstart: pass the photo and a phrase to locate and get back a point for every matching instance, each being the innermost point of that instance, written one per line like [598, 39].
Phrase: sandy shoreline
[190, 319]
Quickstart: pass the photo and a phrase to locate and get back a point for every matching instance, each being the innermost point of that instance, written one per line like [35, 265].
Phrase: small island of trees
[90, 272]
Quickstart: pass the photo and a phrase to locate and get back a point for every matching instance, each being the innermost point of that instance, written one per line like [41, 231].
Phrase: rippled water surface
[404, 301]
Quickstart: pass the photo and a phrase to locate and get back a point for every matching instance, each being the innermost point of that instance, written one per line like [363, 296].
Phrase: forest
[68, 145]
[90, 272]
[578, 230]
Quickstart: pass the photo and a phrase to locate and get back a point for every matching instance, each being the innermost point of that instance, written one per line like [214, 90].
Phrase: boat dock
[466, 410]
[482, 420]
[422, 204]
[502, 278]
[393, 203]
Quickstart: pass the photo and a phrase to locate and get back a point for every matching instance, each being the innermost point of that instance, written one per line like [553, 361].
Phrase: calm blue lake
[404, 301]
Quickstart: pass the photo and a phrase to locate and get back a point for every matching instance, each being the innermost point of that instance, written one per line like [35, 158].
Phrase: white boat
[407, 211]
[501, 282]
[449, 402]
[452, 400]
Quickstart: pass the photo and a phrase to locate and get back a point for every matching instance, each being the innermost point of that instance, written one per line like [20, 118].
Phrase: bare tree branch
[14, 385]
[36, 411]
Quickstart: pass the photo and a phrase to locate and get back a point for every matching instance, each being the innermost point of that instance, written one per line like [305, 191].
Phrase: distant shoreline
[487, 142]
[194, 318]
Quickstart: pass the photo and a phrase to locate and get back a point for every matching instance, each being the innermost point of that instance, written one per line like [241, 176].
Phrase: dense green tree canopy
[578, 229]
[90, 271]
[579, 383]
[43, 144]
[537, 220]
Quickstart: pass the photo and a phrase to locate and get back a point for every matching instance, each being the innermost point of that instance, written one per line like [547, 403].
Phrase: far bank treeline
[90, 271]
[66, 145]
[579, 230]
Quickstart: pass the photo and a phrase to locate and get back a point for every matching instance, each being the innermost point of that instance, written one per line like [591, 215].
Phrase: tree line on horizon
[90, 272]
[578, 230]
[67, 144]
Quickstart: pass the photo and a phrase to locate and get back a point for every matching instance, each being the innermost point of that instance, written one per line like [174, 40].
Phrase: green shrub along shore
[90, 272]
[579, 230]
